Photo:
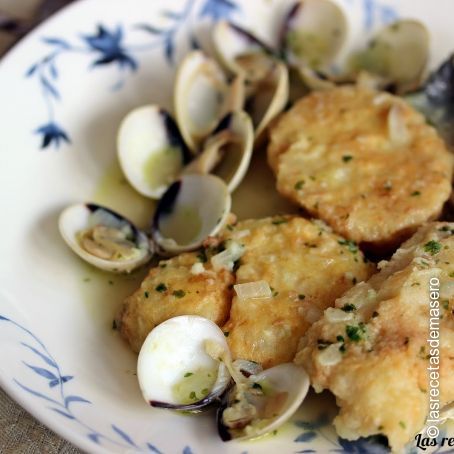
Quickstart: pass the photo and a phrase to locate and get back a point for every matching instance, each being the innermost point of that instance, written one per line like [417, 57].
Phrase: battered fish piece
[363, 161]
[307, 268]
[183, 285]
[371, 350]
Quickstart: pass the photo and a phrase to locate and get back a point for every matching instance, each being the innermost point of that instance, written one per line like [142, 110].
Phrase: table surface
[20, 433]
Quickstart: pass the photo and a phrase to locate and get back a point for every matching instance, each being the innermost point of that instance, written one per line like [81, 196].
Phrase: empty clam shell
[314, 32]
[399, 53]
[174, 369]
[200, 95]
[262, 403]
[227, 153]
[193, 208]
[241, 52]
[269, 98]
[103, 238]
[150, 150]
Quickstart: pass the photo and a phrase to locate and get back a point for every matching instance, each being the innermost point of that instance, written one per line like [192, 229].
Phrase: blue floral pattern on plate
[59, 401]
[106, 46]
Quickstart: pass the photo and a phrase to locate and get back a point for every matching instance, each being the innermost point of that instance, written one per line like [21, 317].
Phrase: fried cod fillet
[363, 161]
[176, 287]
[307, 268]
[372, 351]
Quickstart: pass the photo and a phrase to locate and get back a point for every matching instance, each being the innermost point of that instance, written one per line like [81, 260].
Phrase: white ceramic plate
[63, 92]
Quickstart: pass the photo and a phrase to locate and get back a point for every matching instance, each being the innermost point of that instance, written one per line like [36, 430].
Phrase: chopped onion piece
[197, 268]
[250, 290]
[397, 129]
[226, 259]
[334, 315]
[241, 234]
[331, 355]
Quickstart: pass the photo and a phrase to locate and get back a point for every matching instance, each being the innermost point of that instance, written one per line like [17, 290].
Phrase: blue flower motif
[218, 9]
[52, 134]
[109, 45]
[370, 445]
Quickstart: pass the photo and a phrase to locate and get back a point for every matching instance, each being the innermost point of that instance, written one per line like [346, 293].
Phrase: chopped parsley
[226, 333]
[432, 247]
[301, 297]
[340, 338]
[355, 333]
[114, 325]
[87, 279]
[415, 193]
[205, 391]
[351, 245]
[279, 221]
[299, 185]
[162, 265]
[402, 424]
[146, 294]
[230, 227]
[188, 374]
[349, 308]
[179, 293]
[451, 274]
[347, 158]
[375, 314]
[161, 287]
[257, 386]
[192, 395]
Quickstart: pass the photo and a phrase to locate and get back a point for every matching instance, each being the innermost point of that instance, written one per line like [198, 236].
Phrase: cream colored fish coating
[363, 161]
[371, 351]
[307, 268]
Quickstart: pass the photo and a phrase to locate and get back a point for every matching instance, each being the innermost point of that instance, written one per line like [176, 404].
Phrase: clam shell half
[174, 370]
[104, 238]
[201, 90]
[227, 153]
[193, 208]
[151, 150]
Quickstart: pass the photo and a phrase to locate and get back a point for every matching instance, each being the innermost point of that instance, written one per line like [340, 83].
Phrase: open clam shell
[240, 52]
[227, 153]
[398, 54]
[314, 32]
[201, 89]
[151, 150]
[193, 208]
[174, 370]
[104, 238]
[269, 98]
[263, 403]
